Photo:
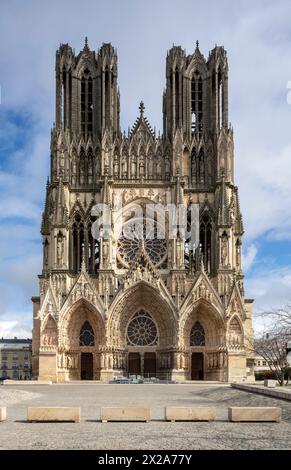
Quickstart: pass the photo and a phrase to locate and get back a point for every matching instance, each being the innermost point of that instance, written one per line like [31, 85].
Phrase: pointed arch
[235, 330]
[205, 238]
[49, 334]
[204, 313]
[141, 295]
[74, 318]
[77, 238]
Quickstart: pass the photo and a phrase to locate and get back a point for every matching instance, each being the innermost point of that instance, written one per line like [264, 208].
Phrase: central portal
[86, 366]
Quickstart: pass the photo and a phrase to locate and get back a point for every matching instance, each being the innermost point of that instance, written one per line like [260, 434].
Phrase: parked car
[121, 380]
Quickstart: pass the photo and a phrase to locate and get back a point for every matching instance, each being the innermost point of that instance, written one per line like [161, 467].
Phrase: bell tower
[87, 98]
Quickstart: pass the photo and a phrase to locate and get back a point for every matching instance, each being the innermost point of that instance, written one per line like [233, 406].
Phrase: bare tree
[271, 346]
[280, 317]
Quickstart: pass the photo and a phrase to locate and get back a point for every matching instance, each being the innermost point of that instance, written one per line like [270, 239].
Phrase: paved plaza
[17, 433]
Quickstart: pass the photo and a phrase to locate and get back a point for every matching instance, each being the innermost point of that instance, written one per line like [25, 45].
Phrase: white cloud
[11, 329]
[270, 287]
[249, 257]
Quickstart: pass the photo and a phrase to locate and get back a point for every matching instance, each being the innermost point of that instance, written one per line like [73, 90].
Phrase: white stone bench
[3, 413]
[255, 413]
[270, 383]
[127, 413]
[196, 413]
[54, 413]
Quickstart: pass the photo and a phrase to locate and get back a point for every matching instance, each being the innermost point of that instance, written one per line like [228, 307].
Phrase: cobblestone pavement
[16, 433]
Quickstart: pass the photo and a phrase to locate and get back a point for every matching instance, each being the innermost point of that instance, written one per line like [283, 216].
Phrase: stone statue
[60, 249]
[224, 250]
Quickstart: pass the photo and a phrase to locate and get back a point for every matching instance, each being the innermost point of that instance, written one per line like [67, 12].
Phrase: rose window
[129, 243]
[141, 330]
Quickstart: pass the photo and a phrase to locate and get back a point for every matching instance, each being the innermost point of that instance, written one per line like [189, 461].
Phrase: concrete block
[54, 413]
[196, 413]
[127, 413]
[255, 413]
[270, 383]
[3, 413]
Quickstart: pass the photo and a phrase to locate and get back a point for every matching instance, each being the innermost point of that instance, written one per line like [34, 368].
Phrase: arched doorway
[197, 366]
[133, 364]
[202, 330]
[86, 366]
[86, 339]
[150, 364]
[144, 325]
[83, 334]
[197, 340]
[142, 339]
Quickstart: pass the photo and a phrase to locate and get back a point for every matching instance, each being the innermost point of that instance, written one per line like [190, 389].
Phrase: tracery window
[87, 337]
[86, 103]
[83, 246]
[197, 335]
[142, 330]
[196, 102]
[205, 241]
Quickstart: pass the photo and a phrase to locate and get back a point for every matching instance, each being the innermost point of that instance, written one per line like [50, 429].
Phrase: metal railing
[150, 378]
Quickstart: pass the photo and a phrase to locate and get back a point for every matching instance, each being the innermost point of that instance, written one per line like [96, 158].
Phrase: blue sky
[257, 37]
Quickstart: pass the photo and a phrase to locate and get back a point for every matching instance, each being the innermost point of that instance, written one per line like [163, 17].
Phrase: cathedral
[121, 304]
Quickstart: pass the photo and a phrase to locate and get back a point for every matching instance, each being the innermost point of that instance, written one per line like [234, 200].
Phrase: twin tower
[195, 99]
[116, 305]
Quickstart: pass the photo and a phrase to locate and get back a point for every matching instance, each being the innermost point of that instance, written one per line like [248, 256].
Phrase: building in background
[15, 359]
[121, 305]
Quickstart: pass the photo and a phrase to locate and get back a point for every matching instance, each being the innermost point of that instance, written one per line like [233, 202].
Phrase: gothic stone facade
[112, 306]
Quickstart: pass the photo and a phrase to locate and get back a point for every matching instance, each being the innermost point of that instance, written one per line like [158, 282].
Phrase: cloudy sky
[257, 36]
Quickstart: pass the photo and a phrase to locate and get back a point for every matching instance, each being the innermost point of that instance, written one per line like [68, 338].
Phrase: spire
[143, 122]
[45, 214]
[199, 56]
[86, 47]
[141, 108]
